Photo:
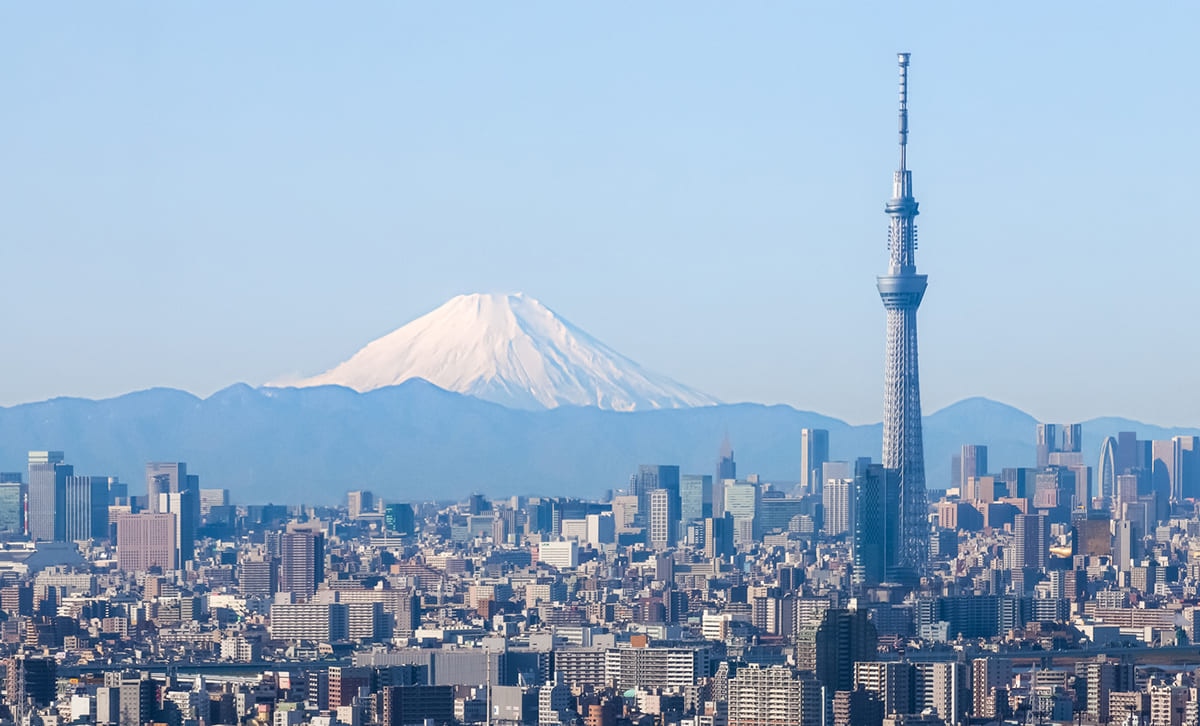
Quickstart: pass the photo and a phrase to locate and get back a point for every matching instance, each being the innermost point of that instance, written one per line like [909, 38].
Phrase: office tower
[838, 500]
[301, 562]
[147, 541]
[956, 480]
[843, 638]
[718, 537]
[814, 452]
[210, 498]
[1031, 540]
[742, 500]
[1186, 471]
[13, 495]
[1106, 471]
[164, 478]
[398, 518]
[859, 707]
[359, 502]
[695, 497]
[648, 478]
[137, 698]
[47, 494]
[901, 290]
[1127, 543]
[1047, 443]
[664, 519]
[873, 546]
[1126, 452]
[774, 696]
[85, 514]
[183, 506]
[974, 462]
[1072, 438]
[726, 467]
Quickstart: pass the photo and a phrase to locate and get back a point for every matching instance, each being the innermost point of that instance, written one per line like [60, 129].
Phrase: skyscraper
[85, 505]
[695, 497]
[874, 534]
[648, 478]
[169, 488]
[664, 519]
[301, 561]
[814, 452]
[13, 494]
[973, 461]
[901, 290]
[726, 467]
[47, 495]
[1106, 471]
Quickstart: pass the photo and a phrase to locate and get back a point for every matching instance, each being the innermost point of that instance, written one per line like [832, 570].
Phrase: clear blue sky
[193, 194]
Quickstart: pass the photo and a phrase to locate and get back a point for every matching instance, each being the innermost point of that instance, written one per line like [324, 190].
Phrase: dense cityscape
[1061, 590]
[1054, 592]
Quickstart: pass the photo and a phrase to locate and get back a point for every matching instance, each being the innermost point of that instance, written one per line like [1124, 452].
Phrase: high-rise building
[814, 452]
[989, 679]
[165, 478]
[47, 495]
[695, 497]
[147, 541]
[973, 462]
[839, 503]
[210, 498]
[664, 519]
[901, 290]
[873, 540]
[726, 467]
[1106, 471]
[648, 478]
[398, 518]
[843, 638]
[891, 681]
[183, 506]
[85, 506]
[301, 561]
[13, 497]
[1031, 540]
[359, 502]
[774, 696]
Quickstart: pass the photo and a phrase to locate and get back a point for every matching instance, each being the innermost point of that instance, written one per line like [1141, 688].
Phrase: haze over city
[195, 199]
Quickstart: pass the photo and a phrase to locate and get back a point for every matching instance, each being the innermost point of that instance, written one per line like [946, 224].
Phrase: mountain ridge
[308, 445]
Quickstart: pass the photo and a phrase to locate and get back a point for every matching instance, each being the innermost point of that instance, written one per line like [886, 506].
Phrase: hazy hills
[417, 441]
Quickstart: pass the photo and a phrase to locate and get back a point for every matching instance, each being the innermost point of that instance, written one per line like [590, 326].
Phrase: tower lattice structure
[901, 290]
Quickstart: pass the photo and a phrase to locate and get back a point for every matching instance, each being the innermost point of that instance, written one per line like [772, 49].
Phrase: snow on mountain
[511, 350]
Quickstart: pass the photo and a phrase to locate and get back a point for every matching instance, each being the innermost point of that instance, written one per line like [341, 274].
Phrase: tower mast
[901, 290]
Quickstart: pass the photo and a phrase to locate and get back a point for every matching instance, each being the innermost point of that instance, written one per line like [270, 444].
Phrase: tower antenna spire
[902, 58]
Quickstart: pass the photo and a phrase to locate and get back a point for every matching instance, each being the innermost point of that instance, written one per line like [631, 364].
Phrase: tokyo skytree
[901, 290]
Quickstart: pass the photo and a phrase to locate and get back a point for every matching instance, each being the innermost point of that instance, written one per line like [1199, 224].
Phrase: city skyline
[237, 186]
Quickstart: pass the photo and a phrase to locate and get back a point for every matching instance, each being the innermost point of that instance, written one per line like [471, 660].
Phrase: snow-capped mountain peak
[512, 350]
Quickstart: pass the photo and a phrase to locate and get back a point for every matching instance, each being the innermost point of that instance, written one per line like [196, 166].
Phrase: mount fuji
[511, 350]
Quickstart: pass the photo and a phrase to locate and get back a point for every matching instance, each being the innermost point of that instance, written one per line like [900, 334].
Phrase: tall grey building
[85, 506]
[47, 495]
[814, 452]
[13, 494]
[901, 290]
[170, 488]
[648, 478]
[973, 462]
[664, 519]
[695, 497]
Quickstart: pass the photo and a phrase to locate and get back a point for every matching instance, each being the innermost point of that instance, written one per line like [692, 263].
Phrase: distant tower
[1107, 470]
[726, 467]
[901, 290]
[814, 453]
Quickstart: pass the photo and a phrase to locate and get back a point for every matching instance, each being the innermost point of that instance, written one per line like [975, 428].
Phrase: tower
[814, 452]
[901, 290]
[1106, 472]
